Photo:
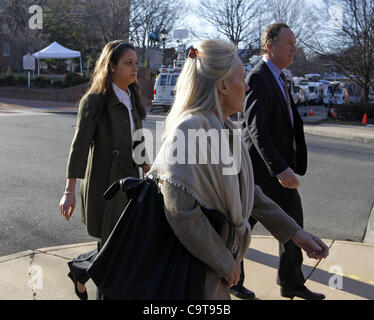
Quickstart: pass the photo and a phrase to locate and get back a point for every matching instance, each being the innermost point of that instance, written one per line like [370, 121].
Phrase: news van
[315, 92]
[335, 93]
[164, 88]
[163, 95]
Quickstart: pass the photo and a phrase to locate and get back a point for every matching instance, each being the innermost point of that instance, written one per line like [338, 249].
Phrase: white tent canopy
[57, 51]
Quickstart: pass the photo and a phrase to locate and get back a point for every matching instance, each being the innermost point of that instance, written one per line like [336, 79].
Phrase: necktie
[285, 86]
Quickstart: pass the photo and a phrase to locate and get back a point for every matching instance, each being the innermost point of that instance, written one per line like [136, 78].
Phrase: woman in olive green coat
[102, 148]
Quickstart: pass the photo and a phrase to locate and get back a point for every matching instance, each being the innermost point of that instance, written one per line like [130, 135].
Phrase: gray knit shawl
[206, 181]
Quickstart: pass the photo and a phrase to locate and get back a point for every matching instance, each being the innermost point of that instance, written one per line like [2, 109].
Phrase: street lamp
[163, 35]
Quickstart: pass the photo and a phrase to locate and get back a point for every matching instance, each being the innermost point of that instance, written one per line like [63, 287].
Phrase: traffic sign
[28, 62]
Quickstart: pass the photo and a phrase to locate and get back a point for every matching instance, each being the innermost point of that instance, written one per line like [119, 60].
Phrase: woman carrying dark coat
[102, 148]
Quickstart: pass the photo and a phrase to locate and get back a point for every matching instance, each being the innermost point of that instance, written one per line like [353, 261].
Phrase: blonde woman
[210, 88]
[101, 151]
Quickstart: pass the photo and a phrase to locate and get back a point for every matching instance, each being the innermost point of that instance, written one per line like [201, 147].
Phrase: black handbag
[143, 259]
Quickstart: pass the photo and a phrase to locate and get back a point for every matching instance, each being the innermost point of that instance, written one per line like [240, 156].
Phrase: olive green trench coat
[101, 153]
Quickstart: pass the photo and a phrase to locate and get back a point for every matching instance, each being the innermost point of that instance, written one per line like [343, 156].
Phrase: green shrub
[74, 79]
[58, 84]
[41, 82]
[22, 81]
[354, 111]
[10, 80]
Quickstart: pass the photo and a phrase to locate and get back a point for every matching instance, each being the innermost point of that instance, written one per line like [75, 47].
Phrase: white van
[163, 95]
[164, 89]
[335, 93]
[302, 95]
[315, 92]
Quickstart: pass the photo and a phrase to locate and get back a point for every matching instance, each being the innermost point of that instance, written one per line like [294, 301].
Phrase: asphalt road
[337, 191]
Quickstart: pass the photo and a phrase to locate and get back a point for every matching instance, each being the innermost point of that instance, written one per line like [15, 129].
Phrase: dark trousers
[290, 255]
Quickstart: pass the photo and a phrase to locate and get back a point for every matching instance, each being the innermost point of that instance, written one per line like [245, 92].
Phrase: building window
[6, 49]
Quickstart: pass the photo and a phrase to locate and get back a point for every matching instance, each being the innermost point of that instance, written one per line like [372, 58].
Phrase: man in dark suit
[274, 132]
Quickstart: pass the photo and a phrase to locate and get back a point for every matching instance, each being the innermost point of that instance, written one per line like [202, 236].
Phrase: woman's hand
[67, 205]
[67, 202]
[234, 277]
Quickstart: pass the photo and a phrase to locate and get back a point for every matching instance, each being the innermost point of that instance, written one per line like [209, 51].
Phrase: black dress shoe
[242, 292]
[301, 292]
[81, 295]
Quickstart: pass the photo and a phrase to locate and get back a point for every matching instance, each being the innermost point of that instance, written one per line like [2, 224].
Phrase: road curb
[369, 236]
[15, 256]
[66, 246]
[337, 136]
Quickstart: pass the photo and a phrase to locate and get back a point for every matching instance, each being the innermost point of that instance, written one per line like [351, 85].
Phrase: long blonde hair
[196, 85]
[101, 80]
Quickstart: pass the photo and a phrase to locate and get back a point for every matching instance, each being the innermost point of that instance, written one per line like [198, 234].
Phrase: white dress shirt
[124, 97]
[277, 75]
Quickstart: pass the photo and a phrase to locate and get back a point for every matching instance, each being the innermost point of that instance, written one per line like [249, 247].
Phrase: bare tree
[234, 19]
[109, 17]
[347, 39]
[146, 15]
[297, 14]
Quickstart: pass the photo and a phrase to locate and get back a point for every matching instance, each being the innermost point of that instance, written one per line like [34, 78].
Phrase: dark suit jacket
[268, 130]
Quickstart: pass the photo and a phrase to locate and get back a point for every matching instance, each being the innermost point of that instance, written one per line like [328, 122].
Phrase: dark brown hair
[271, 34]
[101, 80]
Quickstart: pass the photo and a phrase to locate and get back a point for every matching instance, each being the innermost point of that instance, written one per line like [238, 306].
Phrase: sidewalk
[346, 274]
[349, 132]
[20, 105]
[349, 267]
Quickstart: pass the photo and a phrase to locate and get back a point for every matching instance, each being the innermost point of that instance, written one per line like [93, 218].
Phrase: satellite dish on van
[180, 34]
